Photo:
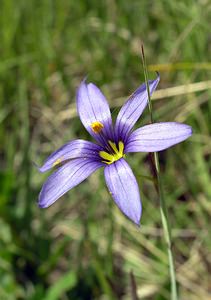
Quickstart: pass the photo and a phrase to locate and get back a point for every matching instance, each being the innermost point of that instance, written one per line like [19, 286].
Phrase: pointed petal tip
[82, 84]
[138, 224]
[45, 167]
[84, 79]
[158, 75]
[136, 219]
[133, 108]
[41, 203]
[40, 169]
[190, 130]
[187, 130]
[133, 216]
[92, 106]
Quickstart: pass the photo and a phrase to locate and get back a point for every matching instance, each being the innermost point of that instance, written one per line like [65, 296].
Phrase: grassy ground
[82, 247]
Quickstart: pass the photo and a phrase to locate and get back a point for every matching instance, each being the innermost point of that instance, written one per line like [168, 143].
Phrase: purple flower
[77, 159]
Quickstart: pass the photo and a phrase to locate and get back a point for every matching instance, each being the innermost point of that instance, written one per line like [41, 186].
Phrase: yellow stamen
[97, 126]
[114, 147]
[106, 156]
[121, 147]
[109, 158]
[57, 162]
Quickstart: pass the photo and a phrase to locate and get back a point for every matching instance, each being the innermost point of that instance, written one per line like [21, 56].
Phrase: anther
[97, 127]
[57, 162]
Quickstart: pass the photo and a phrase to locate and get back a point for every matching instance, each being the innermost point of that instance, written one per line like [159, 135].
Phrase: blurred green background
[83, 247]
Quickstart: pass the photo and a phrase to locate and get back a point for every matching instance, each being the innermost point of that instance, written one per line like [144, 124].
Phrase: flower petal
[124, 189]
[65, 178]
[73, 149]
[132, 109]
[92, 107]
[157, 137]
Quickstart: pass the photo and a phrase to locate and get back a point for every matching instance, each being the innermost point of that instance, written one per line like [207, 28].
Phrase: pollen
[97, 127]
[57, 162]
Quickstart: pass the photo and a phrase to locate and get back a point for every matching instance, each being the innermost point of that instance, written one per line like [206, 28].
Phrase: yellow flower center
[97, 126]
[118, 153]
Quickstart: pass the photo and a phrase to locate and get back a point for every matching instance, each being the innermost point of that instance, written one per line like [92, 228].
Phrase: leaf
[64, 284]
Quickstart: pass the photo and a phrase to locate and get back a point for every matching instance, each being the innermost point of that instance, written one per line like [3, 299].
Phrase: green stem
[163, 208]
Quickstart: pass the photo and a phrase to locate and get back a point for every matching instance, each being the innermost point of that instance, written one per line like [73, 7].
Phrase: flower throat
[115, 155]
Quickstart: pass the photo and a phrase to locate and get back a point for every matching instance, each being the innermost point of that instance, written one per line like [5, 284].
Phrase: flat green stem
[163, 208]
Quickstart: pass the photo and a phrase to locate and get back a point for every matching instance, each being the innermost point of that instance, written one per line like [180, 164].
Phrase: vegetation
[83, 247]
